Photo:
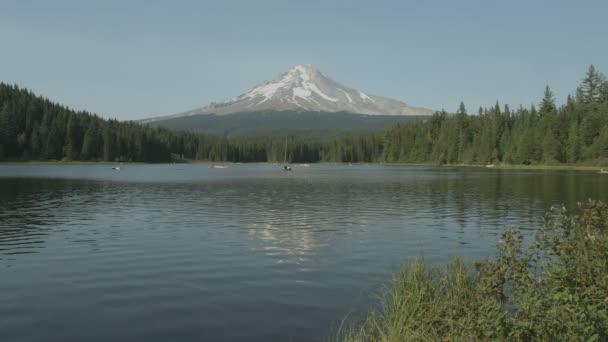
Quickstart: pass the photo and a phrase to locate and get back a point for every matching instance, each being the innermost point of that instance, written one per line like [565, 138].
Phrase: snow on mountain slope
[304, 88]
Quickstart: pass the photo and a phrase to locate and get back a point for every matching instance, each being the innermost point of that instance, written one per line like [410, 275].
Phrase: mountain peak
[301, 82]
[304, 88]
[304, 69]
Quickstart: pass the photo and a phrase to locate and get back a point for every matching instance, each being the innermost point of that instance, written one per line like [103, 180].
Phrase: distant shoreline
[545, 167]
[74, 162]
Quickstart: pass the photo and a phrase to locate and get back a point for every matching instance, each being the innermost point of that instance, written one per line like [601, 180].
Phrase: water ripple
[247, 252]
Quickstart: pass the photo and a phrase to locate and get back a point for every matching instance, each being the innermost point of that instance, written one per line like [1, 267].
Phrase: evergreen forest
[575, 132]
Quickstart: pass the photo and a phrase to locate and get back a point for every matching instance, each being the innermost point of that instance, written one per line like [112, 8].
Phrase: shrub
[554, 290]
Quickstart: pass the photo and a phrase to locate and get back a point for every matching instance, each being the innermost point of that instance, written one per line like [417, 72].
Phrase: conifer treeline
[575, 132]
[33, 128]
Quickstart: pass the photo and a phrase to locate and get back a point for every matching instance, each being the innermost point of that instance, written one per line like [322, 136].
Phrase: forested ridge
[318, 126]
[34, 128]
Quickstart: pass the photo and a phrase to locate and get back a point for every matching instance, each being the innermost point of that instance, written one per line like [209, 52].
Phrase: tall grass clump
[555, 289]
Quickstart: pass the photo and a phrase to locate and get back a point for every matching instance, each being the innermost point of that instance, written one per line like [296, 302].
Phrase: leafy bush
[554, 290]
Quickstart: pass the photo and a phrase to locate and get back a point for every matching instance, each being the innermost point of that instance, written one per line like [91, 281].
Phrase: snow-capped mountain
[304, 88]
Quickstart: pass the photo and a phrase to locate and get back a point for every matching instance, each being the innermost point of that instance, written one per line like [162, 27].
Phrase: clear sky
[135, 59]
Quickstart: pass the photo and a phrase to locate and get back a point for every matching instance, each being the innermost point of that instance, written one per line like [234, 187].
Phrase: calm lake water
[183, 253]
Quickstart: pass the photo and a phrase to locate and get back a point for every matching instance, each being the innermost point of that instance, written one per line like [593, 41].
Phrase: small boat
[217, 167]
[490, 165]
[602, 170]
[117, 168]
[286, 168]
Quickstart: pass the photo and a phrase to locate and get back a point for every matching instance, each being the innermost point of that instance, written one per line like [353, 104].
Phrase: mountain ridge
[284, 123]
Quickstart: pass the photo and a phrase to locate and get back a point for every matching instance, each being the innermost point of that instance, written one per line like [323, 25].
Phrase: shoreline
[75, 162]
[538, 167]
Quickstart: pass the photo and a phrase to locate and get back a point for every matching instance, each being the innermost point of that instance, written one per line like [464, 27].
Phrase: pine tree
[108, 143]
[8, 131]
[573, 145]
[604, 92]
[90, 143]
[590, 87]
[463, 131]
[602, 145]
[547, 105]
[550, 146]
[4, 130]
[71, 148]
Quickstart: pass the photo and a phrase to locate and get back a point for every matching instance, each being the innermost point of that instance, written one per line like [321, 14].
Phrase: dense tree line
[34, 128]
[574, 132]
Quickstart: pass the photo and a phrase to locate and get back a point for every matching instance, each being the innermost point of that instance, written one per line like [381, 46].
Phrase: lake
[250, 252]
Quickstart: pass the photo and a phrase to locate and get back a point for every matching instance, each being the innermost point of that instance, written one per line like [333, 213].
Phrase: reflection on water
[165, 252]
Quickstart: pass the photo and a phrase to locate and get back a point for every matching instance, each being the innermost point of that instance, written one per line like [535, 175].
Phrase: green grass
[556, 289]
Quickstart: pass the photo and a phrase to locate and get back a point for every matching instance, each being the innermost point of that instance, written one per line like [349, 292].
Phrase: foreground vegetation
[34, 128]
[554, 290]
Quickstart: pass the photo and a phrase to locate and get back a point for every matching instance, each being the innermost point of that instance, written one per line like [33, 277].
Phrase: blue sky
[134, 59]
